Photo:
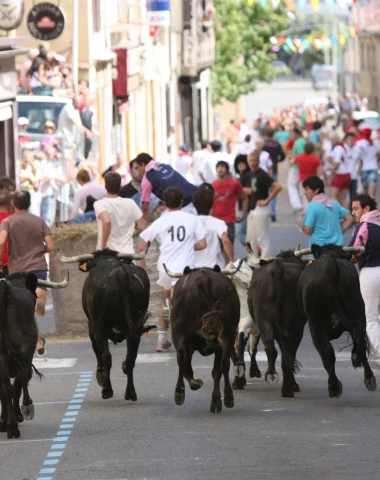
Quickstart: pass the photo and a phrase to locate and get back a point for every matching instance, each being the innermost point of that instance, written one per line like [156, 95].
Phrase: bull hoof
[287, 393]
[99, 376]
[196, 383]
[239, 383]
[254, 373]
[272, 378]
[131, 396]
[3, 426]
[19, 417]
[370, 383]
[216, 404]
[179, 396]
[355, 360]
[28, 411]
[124, 367]
[336, 391]
[107, 393]
[229, 401]
[13, 431]
[296, 387]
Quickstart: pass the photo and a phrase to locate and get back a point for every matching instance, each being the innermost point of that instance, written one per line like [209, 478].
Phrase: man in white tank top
[179, 235]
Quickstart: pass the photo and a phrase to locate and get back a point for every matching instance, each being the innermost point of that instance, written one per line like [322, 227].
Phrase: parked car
[39, 109]
[371, 119]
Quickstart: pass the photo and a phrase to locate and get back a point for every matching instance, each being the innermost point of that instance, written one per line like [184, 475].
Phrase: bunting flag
[301, 43]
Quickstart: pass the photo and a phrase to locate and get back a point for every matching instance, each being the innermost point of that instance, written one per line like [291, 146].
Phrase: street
[76, 435]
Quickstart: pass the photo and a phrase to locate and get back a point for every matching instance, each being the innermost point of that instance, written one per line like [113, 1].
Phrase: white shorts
[165, 281]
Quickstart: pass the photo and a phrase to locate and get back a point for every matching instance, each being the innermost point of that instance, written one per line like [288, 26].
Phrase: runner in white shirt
[216, 233]
[183, 164]
[179, 234]
[353, 161]
[203, 165]
[369, 156]
[117, 218]
[341, 172]
[266, 163]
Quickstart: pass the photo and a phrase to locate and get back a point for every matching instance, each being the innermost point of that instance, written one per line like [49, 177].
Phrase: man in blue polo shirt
[325, 220]
[158, 177]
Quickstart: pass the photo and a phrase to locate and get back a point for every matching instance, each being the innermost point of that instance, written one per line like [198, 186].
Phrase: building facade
[367, 19]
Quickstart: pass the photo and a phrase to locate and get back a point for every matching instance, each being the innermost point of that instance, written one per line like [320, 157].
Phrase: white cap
[23, 121]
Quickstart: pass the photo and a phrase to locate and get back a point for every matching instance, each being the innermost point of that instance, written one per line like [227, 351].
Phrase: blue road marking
[65, 429]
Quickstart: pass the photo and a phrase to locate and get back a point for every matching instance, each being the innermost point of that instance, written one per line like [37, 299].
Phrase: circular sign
[46, 21]
[11, 13]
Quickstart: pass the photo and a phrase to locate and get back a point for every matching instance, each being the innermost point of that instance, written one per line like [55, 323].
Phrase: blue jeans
[241, 230]
[47, 204]
[86, 217]
[273, 202]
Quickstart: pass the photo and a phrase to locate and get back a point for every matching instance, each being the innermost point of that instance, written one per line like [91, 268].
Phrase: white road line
[42, 363]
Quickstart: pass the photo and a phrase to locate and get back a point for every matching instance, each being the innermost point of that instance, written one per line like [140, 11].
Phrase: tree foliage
[243, 47]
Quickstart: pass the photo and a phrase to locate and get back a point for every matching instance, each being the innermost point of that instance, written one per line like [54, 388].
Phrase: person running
[87, 187]
[369, 156]
[29, 239]
[365, 212]
[117, 218]
[204, 168]
[257, 184]
[353, 161]
[308, 164]
[179, 234]
[216, 233]
[341, 171]
[159, 176]
[227, 192]
[5, 212]
[323, 217]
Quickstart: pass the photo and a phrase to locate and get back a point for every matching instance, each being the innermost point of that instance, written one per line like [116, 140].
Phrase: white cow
[247, 328]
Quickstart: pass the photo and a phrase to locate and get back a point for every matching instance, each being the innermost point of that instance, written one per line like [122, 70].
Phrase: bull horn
[48, 284]
[353, 249]
[254, 258]
[171, 274]
[305, 251]
[77, 258]
[233, 270]
[135, 256]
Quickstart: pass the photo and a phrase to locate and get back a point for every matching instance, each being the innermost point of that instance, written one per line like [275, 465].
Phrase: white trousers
[293, 188]
[258, 230]
[370, 288]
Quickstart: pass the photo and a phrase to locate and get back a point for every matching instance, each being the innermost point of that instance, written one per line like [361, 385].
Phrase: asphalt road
[262, 437]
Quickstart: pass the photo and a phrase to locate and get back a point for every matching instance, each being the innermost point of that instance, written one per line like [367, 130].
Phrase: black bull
[329, 293]
[273, 306]
[204, 317]
[18, 338]
[115, 299]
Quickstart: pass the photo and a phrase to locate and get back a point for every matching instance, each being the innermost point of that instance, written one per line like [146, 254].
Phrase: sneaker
[163, 347]
[273, 217]
[41, 350]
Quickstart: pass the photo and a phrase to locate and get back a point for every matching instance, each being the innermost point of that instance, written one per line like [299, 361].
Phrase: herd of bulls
[213, 311]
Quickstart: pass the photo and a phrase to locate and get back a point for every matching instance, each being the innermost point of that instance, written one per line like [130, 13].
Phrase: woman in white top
[369, 157]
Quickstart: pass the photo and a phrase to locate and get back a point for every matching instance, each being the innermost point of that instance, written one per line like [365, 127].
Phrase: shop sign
[11, 13]
[158, 13]
[46, 21]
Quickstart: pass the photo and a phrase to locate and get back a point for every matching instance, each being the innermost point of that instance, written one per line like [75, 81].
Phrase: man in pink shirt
[159, 176]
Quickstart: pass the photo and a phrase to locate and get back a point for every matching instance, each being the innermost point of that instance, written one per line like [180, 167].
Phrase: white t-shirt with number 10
[177, 233]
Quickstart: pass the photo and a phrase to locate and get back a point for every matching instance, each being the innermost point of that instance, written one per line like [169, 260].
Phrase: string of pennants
[300, 5]
[298, 44]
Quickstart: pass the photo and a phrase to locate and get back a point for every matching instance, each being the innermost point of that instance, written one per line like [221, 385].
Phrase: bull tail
[128, 315]
[36, 372]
